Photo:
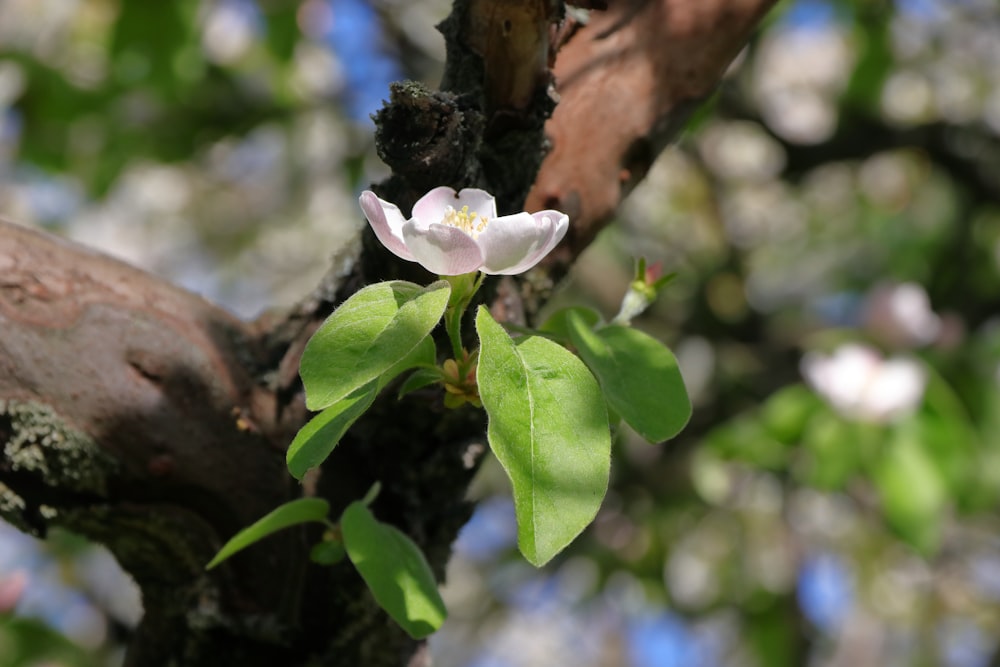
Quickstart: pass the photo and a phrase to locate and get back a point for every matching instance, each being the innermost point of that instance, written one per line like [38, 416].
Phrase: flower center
[465, 220]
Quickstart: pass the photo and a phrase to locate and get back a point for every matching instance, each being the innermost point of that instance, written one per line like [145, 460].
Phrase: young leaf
[558, 322]
[420, 378]
[370, 332]
[394, 569]
[424, 354]
[548, 427]
[302, 510]
[639, 377]
[327, 552]
[314, 441]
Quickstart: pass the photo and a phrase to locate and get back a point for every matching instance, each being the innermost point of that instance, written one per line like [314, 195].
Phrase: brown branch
[627, 81]
[130, 414]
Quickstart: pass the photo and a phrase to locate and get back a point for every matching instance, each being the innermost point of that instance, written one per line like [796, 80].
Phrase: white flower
[860, 384]
[451, 234]
[901, 315]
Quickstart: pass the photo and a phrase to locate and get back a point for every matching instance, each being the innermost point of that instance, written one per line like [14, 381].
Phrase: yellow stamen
[464, 220]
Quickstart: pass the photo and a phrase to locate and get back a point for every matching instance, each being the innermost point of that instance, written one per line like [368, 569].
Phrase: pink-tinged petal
[432, 206]
[511, 240]
[441, 249]
[512, 256]
[478, 201]
[387, 223]
[562, 224]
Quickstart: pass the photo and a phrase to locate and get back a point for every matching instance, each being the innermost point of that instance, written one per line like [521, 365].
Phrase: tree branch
[627, 82]
[124, 403]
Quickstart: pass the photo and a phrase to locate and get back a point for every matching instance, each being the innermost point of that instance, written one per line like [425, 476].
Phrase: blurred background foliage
[834, 220]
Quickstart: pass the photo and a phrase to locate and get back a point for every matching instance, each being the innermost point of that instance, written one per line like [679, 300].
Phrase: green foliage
[152, 43]
[558, 323]
[786, 413]
[548, 421]
[914, 495]
[771, 635]
[832, 452]
[282, 28]
[292, 513]
[147, 92]
[27, 642]
[366, 336]
[548, 428]
[638, 375]
[394, 569]
[314, 441]
[420, 378]
[327, 552]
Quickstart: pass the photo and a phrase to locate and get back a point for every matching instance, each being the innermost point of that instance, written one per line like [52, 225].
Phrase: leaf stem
[453, 324]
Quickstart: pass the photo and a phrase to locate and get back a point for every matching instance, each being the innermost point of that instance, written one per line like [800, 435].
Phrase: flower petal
[441, 249]
[478, 201]
[432, 206]
[515, 243]
[895, 390]
[561, 226]
[387, 223]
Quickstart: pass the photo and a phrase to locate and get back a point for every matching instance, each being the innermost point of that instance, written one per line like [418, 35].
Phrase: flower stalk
[463, 288]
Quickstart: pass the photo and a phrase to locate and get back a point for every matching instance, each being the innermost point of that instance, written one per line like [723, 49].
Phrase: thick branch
[130, 414]
[627, 81]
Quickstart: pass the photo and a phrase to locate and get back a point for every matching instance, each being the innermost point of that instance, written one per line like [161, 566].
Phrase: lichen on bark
[46, 463]
[38, 441]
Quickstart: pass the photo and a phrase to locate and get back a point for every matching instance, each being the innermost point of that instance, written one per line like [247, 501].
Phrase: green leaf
[370, 332]
[912, 488]
[421, 378]
[548, 427]
[302, 510]
[424, 354]
[395, 570]
[314, 441]
[151, 40]
[831, 452]
[282, 28]
[639, 377]
[32, 641]
[558, 322]
[327, 552]
[317, 439]
[786, 413]
[744, 438]
[372, 493]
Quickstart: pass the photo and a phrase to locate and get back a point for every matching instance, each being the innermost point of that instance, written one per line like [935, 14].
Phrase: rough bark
[146, 418]
[627, 82]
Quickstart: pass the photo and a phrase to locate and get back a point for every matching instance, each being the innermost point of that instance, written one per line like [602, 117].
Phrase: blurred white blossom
[901, 315]
[860, 384]
[228, 31]
[799, 74]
